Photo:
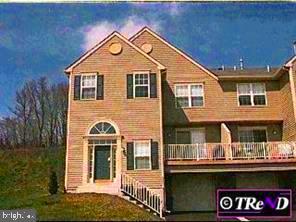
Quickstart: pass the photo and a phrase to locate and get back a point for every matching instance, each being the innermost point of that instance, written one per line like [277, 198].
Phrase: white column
[85, 162]
[118, 162]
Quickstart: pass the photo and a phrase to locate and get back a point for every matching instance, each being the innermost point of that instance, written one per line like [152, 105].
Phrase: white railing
[141, 193]
[233, 151]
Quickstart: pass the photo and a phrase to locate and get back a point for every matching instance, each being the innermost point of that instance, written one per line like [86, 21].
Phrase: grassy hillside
[23, 184]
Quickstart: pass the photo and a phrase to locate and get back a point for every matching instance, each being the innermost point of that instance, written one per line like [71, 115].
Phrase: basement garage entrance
[191, 192]
[196, 192]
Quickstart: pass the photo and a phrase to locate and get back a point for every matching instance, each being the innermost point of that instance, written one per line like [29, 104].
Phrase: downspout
[293, 90]
[162, 204]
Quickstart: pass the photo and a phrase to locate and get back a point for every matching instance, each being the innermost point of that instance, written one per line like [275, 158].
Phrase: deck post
[264, 150]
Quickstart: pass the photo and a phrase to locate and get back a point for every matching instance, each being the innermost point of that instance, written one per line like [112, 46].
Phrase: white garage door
[192, 192]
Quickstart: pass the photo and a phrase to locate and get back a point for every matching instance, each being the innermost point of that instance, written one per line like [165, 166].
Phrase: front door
[102, 162]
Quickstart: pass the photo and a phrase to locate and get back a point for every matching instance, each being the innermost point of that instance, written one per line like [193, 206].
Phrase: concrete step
[139, 204]
[134, 201]
[128, 198]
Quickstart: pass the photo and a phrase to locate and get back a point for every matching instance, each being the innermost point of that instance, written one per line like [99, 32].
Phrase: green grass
[24, 184]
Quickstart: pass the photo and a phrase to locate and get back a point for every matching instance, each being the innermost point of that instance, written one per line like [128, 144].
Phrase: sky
[42, 39]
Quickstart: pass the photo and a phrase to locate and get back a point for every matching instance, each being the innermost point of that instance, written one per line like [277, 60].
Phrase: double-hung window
[141, 85]
[251, 94]
[88, 87]
[142, 155]
[189, 95]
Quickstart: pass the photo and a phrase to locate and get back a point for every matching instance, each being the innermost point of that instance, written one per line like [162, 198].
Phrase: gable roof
[186, 56]
[100, 44]
[290, 61]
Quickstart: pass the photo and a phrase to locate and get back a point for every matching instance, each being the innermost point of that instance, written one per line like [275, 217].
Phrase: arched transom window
[102, 128]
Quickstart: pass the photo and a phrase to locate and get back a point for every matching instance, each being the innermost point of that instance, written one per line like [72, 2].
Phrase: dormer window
[251, 94]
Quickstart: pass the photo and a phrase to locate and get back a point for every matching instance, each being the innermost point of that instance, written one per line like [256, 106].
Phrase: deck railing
[141, 193]
[233, 151]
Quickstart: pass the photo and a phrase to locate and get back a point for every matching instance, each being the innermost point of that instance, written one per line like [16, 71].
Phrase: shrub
[53, 185]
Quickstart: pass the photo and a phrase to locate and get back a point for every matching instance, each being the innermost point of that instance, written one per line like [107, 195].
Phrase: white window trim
[251, 94]
[141, 141]
[85, 87]
[134, 83]
[189, 130]
[189, 94]
[249, 128]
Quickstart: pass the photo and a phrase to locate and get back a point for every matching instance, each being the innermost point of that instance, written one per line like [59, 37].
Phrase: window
[102, 128]
[141, 85]
[252, 135]
[251, 94]
[88, 86]
[189, 95]
[142, 153]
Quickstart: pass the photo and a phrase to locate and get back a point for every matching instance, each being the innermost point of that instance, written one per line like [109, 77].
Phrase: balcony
[236, 153]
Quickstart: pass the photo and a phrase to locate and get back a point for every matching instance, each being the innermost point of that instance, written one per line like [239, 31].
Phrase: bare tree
[23, 111]
[39, 116]
[9, 132]
[38, 92]
[62, 108]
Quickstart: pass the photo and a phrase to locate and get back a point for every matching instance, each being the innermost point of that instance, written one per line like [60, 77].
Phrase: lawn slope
[23, 184]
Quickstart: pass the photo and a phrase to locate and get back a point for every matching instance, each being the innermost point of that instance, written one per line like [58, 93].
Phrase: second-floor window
[88, 86]
[189, 95]
[141, 85]
[251, 94]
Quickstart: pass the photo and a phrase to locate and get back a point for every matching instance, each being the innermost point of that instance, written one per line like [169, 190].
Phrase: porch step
[102, 187]
[128, 198]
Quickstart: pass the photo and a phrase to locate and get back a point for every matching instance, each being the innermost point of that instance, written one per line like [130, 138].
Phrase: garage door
[268, 180]
[191, 192]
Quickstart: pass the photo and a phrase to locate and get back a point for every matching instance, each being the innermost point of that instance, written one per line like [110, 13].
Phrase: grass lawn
[24, 184]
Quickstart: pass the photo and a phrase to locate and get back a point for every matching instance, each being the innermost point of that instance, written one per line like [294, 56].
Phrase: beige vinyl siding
[220, 101]
[136, 118]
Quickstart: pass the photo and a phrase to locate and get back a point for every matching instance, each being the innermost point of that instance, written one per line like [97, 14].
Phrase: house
[148, 121]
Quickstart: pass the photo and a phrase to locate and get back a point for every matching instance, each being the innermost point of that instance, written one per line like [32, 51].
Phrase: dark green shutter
[100, 87]
[130, 155]
[154, 155]
[77, 80]
[153, 85]
[130, 87]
